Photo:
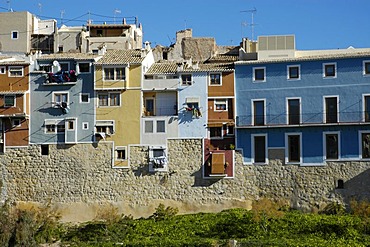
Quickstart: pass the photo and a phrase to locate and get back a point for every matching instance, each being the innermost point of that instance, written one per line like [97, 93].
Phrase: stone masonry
[79, 179]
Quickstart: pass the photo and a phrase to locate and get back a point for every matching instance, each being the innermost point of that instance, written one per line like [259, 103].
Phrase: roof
[210, 67]
[121, 57]
[14, 63]
[126, 26]
[307, 57]
[68, 56]
[162, 68]
[224, 58]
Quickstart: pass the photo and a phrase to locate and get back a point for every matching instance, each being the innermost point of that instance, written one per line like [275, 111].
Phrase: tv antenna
[9, 6]
[62, 12]
[252, 24]
[116, 11]
[40, 7]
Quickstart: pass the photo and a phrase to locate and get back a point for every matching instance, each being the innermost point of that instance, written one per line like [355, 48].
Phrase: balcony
[61, 78]
[307, 119]
[160, 84]
[160, 111]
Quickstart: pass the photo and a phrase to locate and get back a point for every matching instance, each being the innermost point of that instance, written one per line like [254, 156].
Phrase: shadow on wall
[357, 188]
[199, 181]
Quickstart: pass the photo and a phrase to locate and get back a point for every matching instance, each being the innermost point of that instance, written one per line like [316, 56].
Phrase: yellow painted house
[118, 84]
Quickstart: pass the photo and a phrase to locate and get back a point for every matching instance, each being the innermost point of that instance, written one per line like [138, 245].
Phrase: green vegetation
[268, 224]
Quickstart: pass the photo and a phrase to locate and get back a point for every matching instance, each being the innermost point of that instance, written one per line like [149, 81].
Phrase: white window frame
[225, 103]
[2, 70]
[12, 36]
[119, 148]
[254, 74]
[109, 99]
[299, 72]
[360, 143]
[114, 72]
[68, 121]
[364, 67]
[364, 108]
[156, 126]
[148, 132]
[324, 144]
[88, 98]
[85, 125]
[287, 148]
[324, 70]
[78, 68]
[254, 151]
[287, 108]
[11, 68]
[107, 124]
[55, 103]
[186, 83]
[210, 81]
[324, 106]
[264, 111]
[14, 100]
[52, 122]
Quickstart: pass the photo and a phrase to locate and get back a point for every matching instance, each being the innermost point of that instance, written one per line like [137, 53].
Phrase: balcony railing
[302, 119]
[161, 111]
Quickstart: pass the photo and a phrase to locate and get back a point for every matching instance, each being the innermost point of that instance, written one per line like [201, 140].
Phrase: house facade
[307, 109]
[117, 85]
[62, 99]
[14, 102]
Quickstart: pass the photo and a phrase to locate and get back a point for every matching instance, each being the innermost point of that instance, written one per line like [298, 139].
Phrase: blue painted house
[303, 107]
[62, 99]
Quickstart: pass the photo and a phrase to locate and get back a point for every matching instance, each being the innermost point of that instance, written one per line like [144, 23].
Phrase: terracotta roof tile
[119, 57]
[162, 68]
[68, 56]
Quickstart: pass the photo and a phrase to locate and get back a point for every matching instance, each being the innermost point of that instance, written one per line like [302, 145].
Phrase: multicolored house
[117, 85]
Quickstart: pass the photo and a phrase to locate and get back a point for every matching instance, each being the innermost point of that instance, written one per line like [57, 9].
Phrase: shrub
[163, 213]
[334, 208]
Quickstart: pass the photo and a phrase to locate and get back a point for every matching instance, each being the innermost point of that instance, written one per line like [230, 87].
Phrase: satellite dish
[56, 67]
[55, 63]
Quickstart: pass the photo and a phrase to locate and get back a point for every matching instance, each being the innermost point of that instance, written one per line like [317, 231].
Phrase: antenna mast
[116, 11]
[62, 12]
[253, 11]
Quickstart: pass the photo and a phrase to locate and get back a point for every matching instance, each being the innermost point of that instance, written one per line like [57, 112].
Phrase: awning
[51, 121]
[104, 123]
[215, 124]
[192, 100]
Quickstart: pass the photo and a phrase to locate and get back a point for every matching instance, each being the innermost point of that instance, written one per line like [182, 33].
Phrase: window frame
[365, 63]
[57, 104]
[255, 80]
[186, 82]
[108, 99]
[298, 74]
[215, 105]
[288, 116]
[107, 124]
[325, 117]
[12, 34]
[84, 72]
[85, 125]
[254, 116]
[146, 131]
[216, 137]
[325, 148]
[120, 148]
[88, 98]
[219, 79]
[114, 68]
[253, 146]
[287, 148]
[14, 98]
[324, 70]
[360, 146]
[365, 116]
[2, 70]
[14, 124]
[12, 68]
[164, 126]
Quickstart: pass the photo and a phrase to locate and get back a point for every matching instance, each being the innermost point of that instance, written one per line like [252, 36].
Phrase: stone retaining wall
[79, 179]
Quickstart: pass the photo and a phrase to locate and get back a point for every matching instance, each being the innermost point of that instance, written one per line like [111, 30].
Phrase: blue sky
[316, 24]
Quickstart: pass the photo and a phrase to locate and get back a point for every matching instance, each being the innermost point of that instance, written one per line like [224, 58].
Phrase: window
[331, 144]
[186, 80]
[331, 109]
[16, 123]
[215, 132]
[85, 125]
[294, 72]
[2, 69]
[121, 153]
[70, 124]
[293, 148]
[161, 126]
[294, 115]
[114, 73]
[15, 71]
[50, 126]
[215, 79]
[99, 32]
[84, 98]
[114, 99]
[149, 106]
[259, 74]
[157, 159]
[366, 108]
[329, 70]
[220, 104]
[83, 67]
[149, 128]
[230, 129]
[44, 149]
[9, 100]
[103, 99]
[64, 66]
[259, 152]
[365, 145]
[60, 99]
[366, 69]
[14, 34]
[105, 126]
[60, 48]
[258, 112]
